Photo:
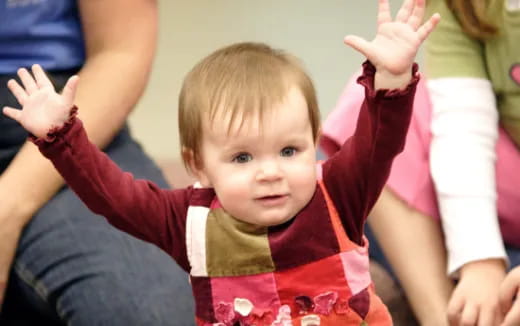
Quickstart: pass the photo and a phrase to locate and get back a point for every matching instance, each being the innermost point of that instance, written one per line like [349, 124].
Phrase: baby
[267, 237]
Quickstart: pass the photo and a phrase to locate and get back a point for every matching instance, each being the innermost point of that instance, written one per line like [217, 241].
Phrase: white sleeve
[462, 161]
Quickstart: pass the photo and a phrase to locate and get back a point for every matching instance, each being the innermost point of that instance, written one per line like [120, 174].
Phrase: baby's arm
[361, 167]
[138, 207]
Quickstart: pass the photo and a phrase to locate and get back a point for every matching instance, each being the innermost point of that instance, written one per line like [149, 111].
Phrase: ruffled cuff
[367, 80]
[56, 132]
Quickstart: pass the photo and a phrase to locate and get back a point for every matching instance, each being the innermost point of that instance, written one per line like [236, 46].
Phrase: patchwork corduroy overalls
[304, 272]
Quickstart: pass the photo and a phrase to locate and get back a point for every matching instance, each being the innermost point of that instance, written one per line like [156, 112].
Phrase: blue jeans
[73, 268]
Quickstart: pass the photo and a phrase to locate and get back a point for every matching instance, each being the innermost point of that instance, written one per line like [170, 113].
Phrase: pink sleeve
[341, 122]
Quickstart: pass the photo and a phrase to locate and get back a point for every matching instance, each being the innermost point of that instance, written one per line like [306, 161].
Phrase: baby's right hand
[42, 108]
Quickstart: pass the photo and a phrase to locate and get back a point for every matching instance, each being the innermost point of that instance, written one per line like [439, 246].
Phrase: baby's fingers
[406, 10]
[383, 14]
[28, 81]
[417, 15]
[13, 113]
[359, 44]
[69, 91]
[18, 91]
[428, 26]
[41, 78]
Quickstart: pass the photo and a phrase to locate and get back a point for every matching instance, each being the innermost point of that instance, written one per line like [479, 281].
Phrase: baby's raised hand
[393, 49]
[42, 108]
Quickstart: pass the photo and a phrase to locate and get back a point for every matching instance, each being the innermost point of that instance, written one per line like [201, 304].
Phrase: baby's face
[263, 172]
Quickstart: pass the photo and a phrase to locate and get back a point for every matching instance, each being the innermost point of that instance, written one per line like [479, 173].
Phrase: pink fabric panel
[260, 289]
[340, 123]
[215, 204]
[355, 264]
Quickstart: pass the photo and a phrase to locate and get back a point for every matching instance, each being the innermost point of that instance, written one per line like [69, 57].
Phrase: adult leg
[71, 264]
[413, 244]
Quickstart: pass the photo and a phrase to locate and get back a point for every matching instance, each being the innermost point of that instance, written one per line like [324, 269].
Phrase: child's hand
[475, 300]
[393, 49]
[43, 108]
[509, 300]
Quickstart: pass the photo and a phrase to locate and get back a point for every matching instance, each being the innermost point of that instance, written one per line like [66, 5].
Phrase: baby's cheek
[234, 189]
[235, 200]
[304, 181]
[304, 173]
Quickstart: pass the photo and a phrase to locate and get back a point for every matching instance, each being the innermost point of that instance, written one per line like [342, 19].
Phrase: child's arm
[356, 175]
[462, 154]
[509, 298]
[138, 207]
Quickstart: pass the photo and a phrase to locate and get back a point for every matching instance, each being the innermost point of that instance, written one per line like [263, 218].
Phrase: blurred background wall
[313, 30]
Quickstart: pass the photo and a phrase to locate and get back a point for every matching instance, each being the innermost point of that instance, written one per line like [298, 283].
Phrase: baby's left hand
[393, 49]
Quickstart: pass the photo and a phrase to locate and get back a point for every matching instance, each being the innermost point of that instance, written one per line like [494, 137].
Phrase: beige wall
[313, 30]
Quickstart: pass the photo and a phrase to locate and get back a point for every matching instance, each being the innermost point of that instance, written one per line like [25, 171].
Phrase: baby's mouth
[272, 200]
[271, 197]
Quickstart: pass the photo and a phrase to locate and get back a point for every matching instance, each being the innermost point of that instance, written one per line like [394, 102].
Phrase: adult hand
[475, 299]
[509, 300]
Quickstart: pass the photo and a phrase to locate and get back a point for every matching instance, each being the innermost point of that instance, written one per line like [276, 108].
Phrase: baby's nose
[269, 170]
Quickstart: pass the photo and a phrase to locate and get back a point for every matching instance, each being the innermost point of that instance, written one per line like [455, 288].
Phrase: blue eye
[288, 151]
[242, 158]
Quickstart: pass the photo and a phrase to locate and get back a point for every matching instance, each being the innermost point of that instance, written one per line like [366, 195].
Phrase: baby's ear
[195, 166]
[190, 161]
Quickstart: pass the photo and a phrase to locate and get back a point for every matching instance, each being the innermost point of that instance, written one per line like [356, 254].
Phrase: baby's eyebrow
[236, 147]
[294, 138]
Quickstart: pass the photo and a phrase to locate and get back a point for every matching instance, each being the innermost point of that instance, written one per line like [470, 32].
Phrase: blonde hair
[245, 79]
[472, 15]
